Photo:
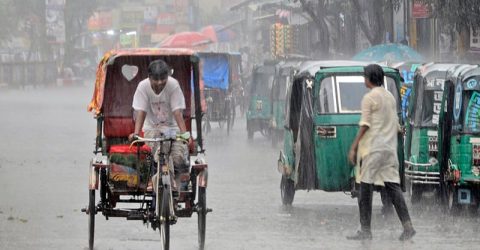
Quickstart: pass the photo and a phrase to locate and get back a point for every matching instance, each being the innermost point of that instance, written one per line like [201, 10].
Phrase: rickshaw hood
[95, 104]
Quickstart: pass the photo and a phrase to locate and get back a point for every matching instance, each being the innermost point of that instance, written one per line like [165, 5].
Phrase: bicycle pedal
[173, 219]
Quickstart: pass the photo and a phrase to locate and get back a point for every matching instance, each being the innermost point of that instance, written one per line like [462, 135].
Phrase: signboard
[475, 38]
[131, 19]
[55, 20]
[420, 10]
[100, 21]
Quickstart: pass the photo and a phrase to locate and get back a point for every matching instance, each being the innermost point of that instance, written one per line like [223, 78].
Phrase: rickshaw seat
[118, 126]
[126, 149]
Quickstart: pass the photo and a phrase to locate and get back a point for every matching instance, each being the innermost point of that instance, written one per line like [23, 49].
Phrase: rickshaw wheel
[91, 218]
[202, 216]
[164, 213]
[287, 190]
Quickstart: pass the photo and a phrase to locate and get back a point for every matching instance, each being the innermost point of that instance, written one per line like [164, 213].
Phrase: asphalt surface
[47, 139]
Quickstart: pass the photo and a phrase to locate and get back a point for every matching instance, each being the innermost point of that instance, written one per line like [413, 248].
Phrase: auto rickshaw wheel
[164, 219]
[452, 200]
[415, 192]
[287, 190]
[202, 216]
[91, 218]
[249, 132]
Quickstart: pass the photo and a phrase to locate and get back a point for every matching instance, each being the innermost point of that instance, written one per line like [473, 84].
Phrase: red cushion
[118, 126]
[126, 149]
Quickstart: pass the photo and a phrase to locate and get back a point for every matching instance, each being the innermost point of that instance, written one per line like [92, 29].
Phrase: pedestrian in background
[375, 147]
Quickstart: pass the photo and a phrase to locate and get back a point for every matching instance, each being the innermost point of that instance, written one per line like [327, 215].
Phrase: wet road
[47, 141]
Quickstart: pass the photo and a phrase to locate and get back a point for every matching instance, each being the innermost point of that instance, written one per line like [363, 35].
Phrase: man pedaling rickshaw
[158, 104]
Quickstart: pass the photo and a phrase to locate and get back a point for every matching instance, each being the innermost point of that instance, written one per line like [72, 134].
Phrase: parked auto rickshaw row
[439, 103]
[443, 140]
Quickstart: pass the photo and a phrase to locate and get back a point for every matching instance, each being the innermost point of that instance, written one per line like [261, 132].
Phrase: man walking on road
[375, 147]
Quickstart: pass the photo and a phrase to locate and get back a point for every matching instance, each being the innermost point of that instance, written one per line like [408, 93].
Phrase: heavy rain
[259, 145]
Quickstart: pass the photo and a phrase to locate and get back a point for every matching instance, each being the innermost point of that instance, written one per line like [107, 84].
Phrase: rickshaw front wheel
[164, 219]
[202, 216]
[287, 190]
[91, 218]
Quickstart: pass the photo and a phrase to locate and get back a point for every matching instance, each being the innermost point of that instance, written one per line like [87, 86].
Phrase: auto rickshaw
[421, 140]
[284, 72]
[322, 115]
[259, 113]
[459, 140]
[123, 174]
[407, 71]
[220, 74]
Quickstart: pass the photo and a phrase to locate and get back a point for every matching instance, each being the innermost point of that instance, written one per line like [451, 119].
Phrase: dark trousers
[393, 191]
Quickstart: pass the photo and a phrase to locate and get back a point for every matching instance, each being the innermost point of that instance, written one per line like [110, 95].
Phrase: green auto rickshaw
[259, 112]
[322, 115]
[421, 149]
[459, 140]
[284, 73]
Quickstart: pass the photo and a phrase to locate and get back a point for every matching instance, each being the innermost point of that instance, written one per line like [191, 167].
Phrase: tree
[368, 15]
[318, 13]
[464, 13]
[76, 18]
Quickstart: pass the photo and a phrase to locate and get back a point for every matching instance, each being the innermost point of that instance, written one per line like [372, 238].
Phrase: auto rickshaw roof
[470, 73]
[312, 67]
[432, 68]
[113, 56]
[352, 69]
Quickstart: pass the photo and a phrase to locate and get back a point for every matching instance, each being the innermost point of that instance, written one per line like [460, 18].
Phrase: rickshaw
[284, 72]
[459, 141]
[218, 72]
[322, 115]
[123, 173]
[421, 148]
[259, 113]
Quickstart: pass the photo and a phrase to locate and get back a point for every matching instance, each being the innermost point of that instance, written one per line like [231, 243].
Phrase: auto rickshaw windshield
[343, 94]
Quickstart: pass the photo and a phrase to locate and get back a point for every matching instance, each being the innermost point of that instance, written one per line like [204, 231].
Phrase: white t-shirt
[159, 107]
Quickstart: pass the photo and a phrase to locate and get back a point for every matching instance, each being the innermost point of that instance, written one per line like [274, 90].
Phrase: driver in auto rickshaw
[159, 103]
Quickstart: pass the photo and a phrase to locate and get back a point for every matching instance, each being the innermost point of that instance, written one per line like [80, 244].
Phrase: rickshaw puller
[159, 103]
[376, 146]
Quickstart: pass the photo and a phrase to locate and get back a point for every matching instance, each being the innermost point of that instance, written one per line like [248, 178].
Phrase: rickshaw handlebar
[179, 137]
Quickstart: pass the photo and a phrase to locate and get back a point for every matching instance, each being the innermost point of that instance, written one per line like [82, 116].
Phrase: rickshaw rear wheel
[202, 216]
[287, 190]
[164, 214]
[91, 218]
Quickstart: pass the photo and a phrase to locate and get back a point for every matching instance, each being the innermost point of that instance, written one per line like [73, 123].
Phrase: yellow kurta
[377, 150]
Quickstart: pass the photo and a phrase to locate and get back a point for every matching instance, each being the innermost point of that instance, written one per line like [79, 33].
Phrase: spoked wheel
[229, 119]
[91, 218]
[207, 127]
[164, 218]
[221, 123]
[287, 190]
[202, 216]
